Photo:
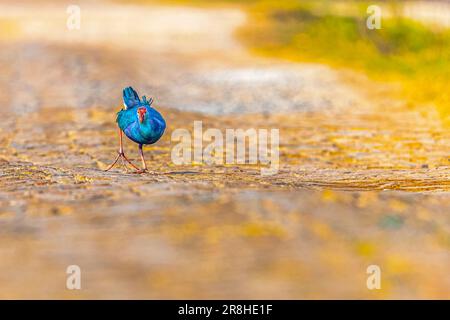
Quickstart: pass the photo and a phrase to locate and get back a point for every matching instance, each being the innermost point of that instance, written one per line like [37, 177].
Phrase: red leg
[144, 165]
[121, 154]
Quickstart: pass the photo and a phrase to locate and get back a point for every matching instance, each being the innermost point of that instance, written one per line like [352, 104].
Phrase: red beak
[141, 113]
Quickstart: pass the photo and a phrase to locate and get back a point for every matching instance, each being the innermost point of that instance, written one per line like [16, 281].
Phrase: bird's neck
[145, 124]
[145, 127]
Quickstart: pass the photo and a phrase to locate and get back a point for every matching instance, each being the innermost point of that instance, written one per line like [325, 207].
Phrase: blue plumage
[139, 121]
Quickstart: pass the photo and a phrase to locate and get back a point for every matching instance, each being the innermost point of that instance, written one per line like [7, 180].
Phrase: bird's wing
[130, 98]
[125, 118]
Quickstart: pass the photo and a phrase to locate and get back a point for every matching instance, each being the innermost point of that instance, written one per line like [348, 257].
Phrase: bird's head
[141, 112]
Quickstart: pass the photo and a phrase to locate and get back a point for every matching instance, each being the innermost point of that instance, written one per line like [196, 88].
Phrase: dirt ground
[363, 178]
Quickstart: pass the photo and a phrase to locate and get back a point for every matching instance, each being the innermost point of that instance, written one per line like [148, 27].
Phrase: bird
[141, 123]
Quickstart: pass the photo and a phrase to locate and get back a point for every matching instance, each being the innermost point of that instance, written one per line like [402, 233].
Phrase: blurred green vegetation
[335, 32]
[402, 50]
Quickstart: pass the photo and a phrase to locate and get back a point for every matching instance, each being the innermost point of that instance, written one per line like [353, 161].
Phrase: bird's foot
[124, 165]
[121, 155]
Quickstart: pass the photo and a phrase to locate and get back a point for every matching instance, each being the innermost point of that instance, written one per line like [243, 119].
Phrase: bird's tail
[130, 98]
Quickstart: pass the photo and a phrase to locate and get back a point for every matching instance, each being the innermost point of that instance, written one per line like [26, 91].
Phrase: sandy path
[207, 231]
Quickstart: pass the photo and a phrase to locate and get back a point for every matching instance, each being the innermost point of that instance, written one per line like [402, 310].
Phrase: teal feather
[153, 125]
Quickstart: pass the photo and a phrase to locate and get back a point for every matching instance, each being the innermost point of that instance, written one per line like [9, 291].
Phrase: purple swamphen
[140, 122]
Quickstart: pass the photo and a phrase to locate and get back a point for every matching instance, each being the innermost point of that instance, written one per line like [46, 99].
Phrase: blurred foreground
[364, 178]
